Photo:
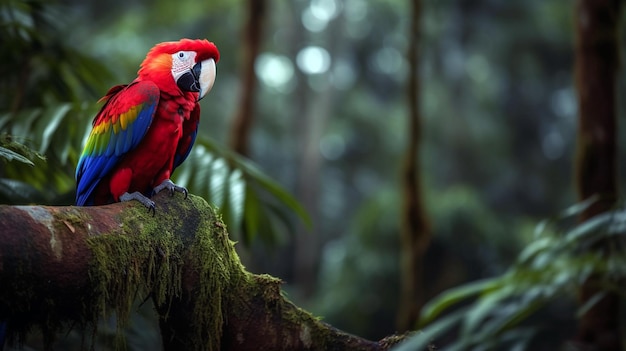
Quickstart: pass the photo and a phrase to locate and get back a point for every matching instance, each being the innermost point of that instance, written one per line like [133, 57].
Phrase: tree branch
[252, 38]
[68, 266]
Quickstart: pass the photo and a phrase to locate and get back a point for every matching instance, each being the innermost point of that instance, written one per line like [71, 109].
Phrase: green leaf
[279, 193]
[618, 222]
[50, 121]
[571, 211]
[516, 312]
[535, 248]
[590, 303]
[589, 227]
[453, 296]
[252, 210]
[11, 155]
[579, 208]
[427, 335]
[252, 172]
[274, 223]
[218, 179]
[13, 147]
[540, 228]
[23, 121]
[482, 309]
[237, 193]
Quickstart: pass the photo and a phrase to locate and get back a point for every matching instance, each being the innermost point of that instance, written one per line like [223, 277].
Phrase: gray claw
[171, 187]
[137, 196]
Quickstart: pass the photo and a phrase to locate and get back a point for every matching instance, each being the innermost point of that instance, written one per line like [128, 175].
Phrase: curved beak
[199, 78]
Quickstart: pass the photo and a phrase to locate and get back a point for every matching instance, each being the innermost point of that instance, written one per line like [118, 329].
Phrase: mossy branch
[70, 266]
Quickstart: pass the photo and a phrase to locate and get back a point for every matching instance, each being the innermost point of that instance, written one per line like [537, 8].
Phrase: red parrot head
[181, 66]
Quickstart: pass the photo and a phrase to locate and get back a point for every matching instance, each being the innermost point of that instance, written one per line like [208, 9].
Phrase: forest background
[498, 111]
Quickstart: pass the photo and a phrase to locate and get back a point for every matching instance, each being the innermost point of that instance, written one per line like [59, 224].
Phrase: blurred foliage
[363, 262]
[10, 189]
[359, 276]
[43, 93]
[11, 150]
[496, 313]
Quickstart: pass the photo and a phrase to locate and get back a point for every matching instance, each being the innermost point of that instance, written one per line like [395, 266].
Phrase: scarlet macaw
[146, 129]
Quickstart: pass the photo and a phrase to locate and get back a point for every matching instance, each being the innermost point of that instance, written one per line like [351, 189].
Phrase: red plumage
[146, 129]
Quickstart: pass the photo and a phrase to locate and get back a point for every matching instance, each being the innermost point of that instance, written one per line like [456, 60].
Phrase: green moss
[311, 328]
[148, 256]
[213, 255]
[299, 327]
[136, 262]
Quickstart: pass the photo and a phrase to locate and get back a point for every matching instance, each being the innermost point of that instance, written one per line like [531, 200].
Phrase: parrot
[146, 129]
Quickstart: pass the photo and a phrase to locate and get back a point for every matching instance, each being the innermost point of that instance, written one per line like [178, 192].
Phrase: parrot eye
[184, 56]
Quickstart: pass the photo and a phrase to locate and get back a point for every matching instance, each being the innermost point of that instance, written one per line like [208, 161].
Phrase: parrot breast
[152, 161]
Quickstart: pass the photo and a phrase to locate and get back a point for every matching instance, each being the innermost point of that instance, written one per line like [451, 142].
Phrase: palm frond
[493, 311]
[251, 203]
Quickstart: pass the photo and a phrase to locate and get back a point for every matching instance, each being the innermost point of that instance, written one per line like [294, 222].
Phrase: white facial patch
[182, 62]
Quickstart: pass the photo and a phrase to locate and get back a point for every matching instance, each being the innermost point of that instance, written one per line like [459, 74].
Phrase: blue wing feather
[108, 143]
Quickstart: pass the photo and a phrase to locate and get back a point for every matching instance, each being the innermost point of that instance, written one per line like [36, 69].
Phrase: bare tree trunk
[244, 117]
[310, 121]
[415, 233]
[308, 245]
[597, 23]
[65, 266]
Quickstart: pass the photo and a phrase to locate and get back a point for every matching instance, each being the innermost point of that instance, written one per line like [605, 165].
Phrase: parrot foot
[141, 198]
[171, 187]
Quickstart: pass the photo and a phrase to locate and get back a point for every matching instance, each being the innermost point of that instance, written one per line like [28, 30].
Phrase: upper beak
[199, 78]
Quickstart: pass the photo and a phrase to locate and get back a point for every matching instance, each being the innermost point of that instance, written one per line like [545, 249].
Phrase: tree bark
[597, 57]
[242, 121]
[415, 235]
[64, 266]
